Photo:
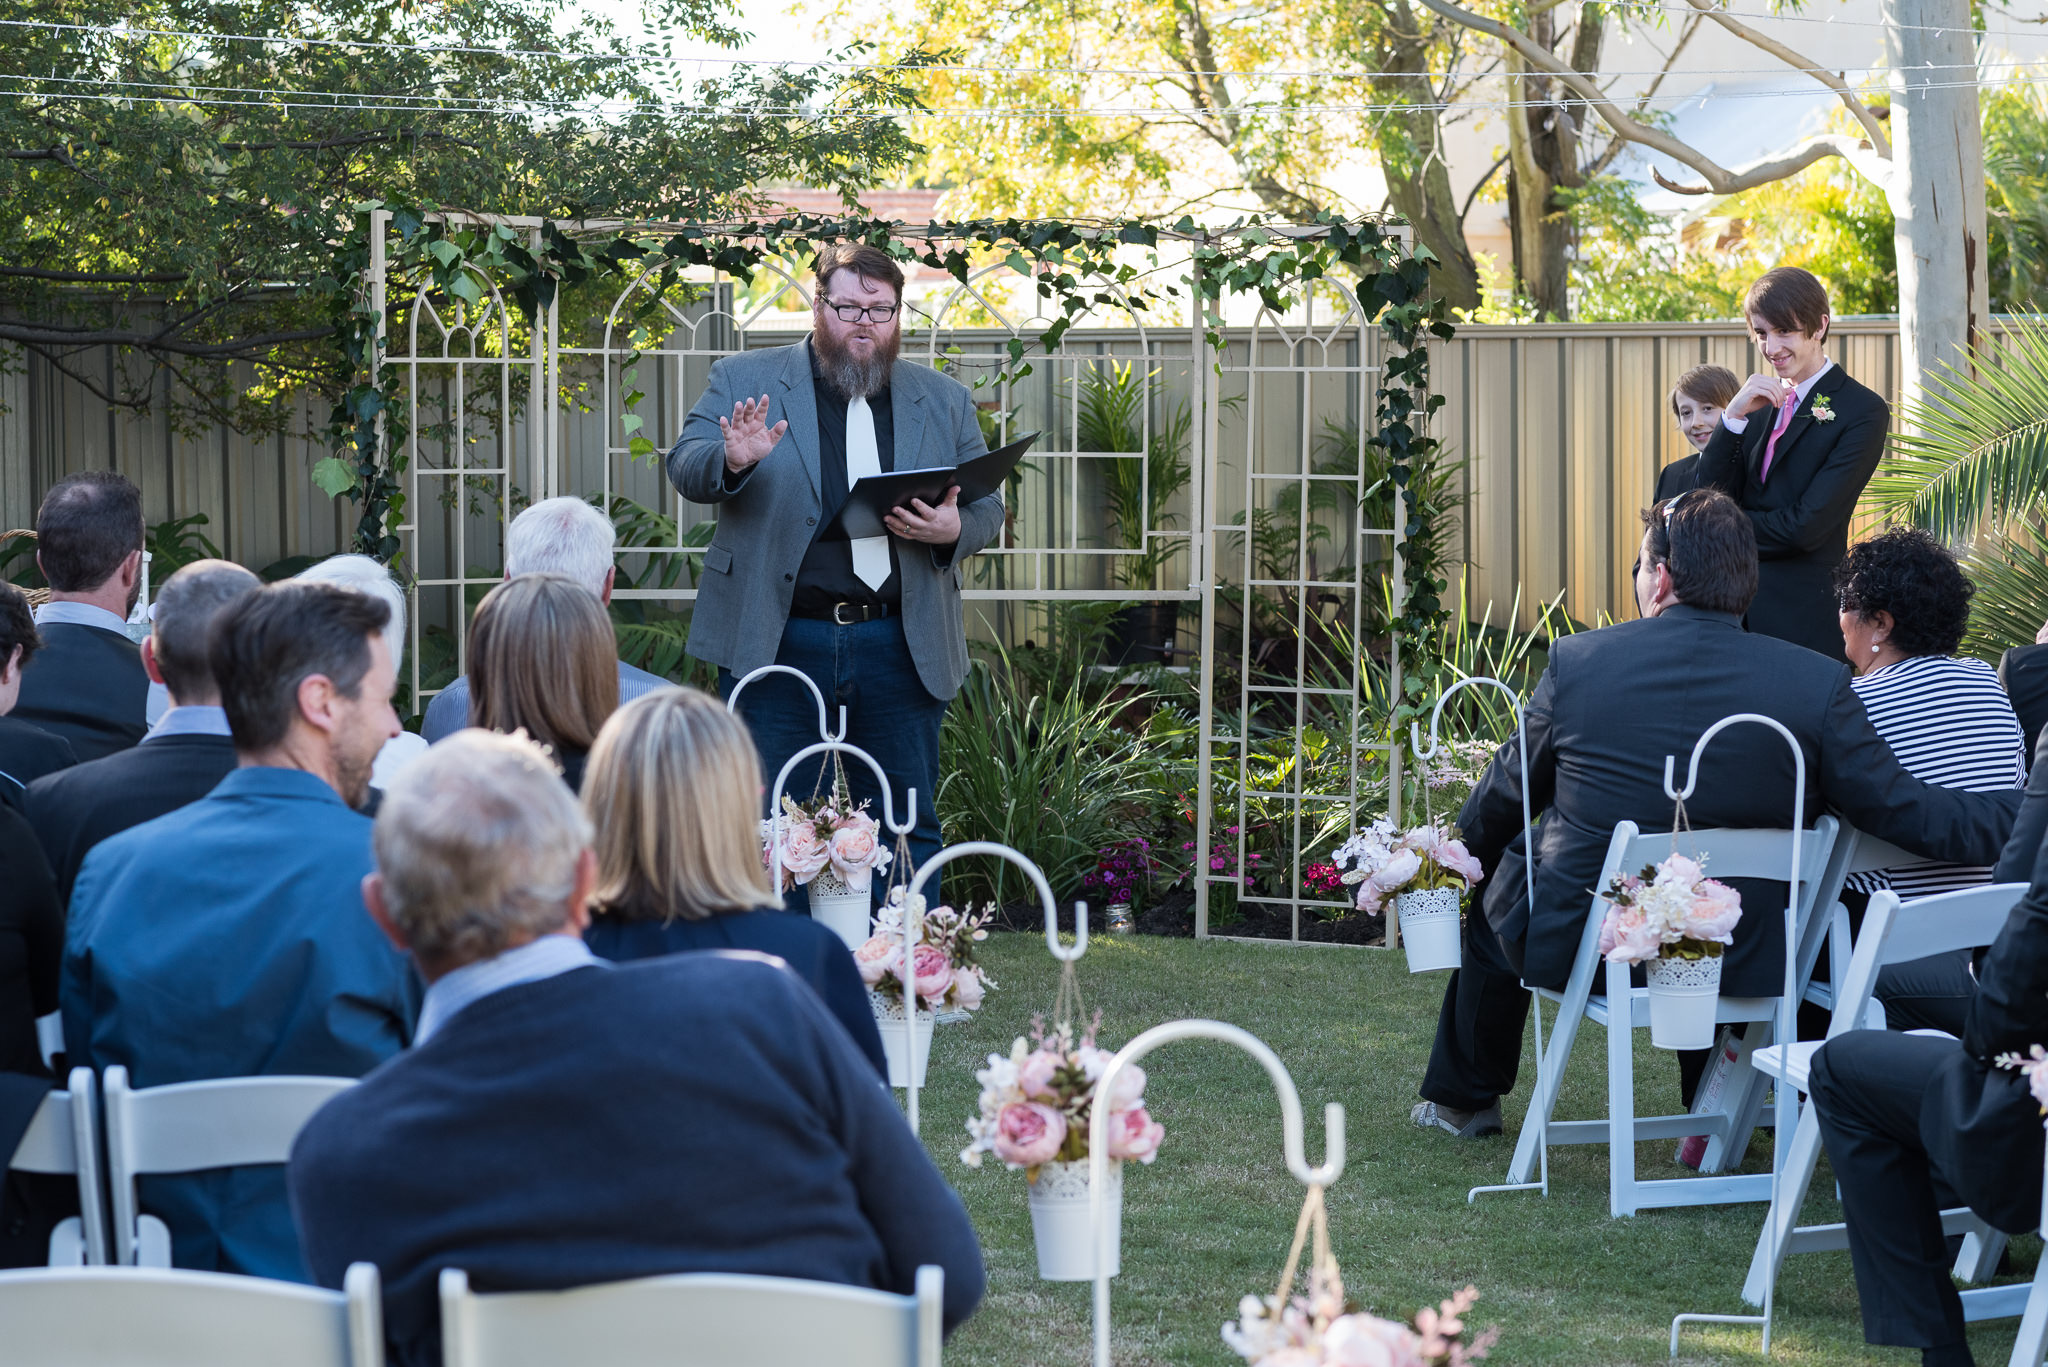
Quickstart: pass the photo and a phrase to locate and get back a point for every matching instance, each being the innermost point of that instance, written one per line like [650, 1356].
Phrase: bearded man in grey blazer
[774, 444]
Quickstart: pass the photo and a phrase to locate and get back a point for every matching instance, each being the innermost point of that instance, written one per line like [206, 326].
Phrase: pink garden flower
[1453, 855]
[1716, 908]
[803, 851]
[968, 991]
[1034, 1074]
[875, 957]
[1134, 1134]
[934, 972]
[1028, 1134]
[854, 851]
[1627, 937]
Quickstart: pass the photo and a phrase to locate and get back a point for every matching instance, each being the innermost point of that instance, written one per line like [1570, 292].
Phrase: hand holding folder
[872, 497]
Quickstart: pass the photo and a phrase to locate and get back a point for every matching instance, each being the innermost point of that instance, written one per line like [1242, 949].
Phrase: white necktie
[863, 458]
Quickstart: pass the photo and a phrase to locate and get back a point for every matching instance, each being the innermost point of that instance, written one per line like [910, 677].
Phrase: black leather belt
[846, 614]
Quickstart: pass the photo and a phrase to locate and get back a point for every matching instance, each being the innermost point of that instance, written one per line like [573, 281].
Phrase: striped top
[1950, 725]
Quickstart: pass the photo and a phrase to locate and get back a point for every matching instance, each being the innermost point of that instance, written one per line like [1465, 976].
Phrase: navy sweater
[696, 1113]
[812, 952]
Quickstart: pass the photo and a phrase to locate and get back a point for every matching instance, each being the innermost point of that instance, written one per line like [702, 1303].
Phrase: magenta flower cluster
[1322, 876]
[1121, 871]
[1223, 858]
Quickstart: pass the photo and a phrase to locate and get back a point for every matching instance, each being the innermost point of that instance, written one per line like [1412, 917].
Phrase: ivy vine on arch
[1075, 266]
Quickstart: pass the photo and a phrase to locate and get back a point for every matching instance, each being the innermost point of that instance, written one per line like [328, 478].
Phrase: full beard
[854, 375]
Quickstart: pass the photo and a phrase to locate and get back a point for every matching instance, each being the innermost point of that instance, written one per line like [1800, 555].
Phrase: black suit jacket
[1802, 515]
[77, 808]
[1979, 1122]
[1614, 702]
[26, 754]
[2023, 671]
[88, 686]
[1677, 477]
[2030, 829]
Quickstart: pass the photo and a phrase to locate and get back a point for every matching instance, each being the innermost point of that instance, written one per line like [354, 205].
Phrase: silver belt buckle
[839, 621]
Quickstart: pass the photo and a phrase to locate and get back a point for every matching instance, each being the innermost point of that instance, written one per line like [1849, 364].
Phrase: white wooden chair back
[62, 1140]
[193, 1126]
[1896, 932]
[50, 1036]
[126, 1316]
[712, 1319]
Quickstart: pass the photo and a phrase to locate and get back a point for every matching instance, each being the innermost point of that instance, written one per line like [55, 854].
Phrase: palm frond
[2011, 575]
[1976, 451]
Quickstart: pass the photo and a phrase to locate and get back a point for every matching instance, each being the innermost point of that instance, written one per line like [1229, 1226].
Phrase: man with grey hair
[562, 1121]
[555, 536]
[184, 755]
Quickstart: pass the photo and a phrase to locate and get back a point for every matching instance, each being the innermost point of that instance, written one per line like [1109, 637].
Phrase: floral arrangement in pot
[1037, 1103]
[833, 848]
[1675, 920]
[1428, 870]
[1320, 1330]
[943, 962]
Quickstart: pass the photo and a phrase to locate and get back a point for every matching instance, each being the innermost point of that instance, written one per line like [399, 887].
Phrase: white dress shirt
[542, 957]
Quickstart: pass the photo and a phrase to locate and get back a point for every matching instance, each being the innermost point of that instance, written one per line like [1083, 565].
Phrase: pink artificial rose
[1677, 868]
[852, 850]
[1716, 908]
[1627, 937]
[1398, 872]
[968, 989]
[875, 958]
[934, 972]
[1453, 855]
[1134, 1134]
[1368, 1341]
[1130, 1082]
[803, 851]
[1034, 1075]
[1028, 1134]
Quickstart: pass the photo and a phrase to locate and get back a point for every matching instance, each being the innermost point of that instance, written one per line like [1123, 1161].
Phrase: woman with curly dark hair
[1905, 604]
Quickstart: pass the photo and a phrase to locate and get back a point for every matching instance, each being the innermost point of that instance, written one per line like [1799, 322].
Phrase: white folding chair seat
[1892, 933]
[193, 1126]
[62, 1140]
[129, 1316]
[693, 1320]
[1725, 854]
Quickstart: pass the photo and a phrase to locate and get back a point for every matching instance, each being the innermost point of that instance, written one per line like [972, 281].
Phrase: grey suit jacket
[767, 520]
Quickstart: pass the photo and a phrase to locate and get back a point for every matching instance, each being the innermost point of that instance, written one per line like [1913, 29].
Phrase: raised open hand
[748, 437]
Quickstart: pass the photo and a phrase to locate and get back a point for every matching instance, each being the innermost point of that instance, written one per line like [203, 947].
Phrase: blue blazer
[812, 952]
[229, 939]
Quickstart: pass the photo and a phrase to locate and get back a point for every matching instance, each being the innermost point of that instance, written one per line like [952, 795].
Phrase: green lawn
[1210, 1220]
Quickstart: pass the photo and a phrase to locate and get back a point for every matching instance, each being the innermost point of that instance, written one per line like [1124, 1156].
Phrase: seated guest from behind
[184, 755]
[541, 659]
[227, 939]
[364, 575]
[1610, 706]
[564, 1121]
[1914, 1124]
[1904, 607]
[90, 686]
[555, 536]
[27, 752]
[671, 792]
[31, 947]
[1696, 401]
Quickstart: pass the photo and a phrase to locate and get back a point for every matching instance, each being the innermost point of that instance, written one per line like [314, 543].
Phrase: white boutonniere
[1821, 411]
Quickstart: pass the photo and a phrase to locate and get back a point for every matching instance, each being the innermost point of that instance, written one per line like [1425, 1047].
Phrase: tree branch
[1719, 179]
[1614, 146]
[44, 335]
[1857, 109]
[92, 278]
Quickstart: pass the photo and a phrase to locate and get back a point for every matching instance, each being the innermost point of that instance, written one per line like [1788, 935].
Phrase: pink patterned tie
[1771, 446]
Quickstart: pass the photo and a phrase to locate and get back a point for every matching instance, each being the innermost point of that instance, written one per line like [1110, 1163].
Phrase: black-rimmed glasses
[854, 313]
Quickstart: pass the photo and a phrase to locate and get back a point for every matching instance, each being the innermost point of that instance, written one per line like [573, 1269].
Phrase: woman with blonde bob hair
[543, 659]
[673, 788]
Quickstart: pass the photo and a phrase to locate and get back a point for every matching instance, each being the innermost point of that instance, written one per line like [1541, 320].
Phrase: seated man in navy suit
[563, 1120]
[227, 938]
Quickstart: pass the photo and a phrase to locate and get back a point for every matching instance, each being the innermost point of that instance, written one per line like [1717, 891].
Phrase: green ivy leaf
[334, 476]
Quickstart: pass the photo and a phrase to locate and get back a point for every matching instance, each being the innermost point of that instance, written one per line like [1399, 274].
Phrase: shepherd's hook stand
[732, 699]
[1529, 884]
[1325, 1175]
[1787, 1005]
[992, 850]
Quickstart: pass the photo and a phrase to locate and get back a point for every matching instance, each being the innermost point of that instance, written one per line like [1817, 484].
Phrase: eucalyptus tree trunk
[1936, 187]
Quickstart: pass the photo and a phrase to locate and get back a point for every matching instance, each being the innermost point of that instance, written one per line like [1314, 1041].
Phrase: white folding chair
[192, 1126]
[63, 1140]
[124, 1316]
[693, 1320]
[1855, 852]
[50, 1036]
[1892, 933]
[1725, 854]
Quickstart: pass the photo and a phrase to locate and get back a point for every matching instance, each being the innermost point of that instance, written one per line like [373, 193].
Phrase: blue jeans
[866, 668]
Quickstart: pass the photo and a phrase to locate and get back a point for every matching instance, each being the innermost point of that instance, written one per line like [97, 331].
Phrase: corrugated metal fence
[1562, 428]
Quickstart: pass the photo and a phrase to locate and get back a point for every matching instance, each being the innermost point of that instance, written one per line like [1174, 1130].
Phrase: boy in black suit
[1795, 449]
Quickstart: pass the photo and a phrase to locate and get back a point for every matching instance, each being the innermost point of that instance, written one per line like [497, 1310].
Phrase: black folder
[873, 496]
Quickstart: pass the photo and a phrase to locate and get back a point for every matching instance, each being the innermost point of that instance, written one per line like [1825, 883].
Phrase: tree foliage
[179, 194]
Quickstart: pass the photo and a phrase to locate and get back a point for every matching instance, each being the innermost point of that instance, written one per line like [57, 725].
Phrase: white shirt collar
[543, 957]
[80, 615]
[1805, 386]
[190, 721]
